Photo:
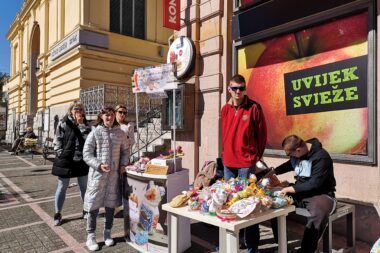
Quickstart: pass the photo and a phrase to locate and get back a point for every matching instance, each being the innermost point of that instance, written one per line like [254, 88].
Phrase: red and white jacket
[244, 133]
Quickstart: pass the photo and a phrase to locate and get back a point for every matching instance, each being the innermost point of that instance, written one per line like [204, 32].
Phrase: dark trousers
[15, 144]
[91, 219]
[252, 238]
[319, 207]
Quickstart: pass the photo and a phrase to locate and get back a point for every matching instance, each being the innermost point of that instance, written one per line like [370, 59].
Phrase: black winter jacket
[68, 144]
[321, 178]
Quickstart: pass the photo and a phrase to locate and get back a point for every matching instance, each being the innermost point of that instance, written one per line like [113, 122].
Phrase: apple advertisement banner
[287, 74]
[334, 86]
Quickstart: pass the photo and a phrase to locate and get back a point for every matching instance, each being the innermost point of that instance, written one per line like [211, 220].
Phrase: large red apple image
[341, 131]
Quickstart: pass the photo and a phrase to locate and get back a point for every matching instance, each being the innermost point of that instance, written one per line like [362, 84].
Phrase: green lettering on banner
[307, 81]
[306, 99]
[338, 96]
[297, 102]
[325, 99]
[350, 93]
[296, 84]
[318, 81]
[334, 77]
[348, 74]
[334, 86]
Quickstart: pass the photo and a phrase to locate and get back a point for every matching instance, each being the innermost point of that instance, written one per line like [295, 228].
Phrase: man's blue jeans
[230, 172]
[62, 185]
[252, 233]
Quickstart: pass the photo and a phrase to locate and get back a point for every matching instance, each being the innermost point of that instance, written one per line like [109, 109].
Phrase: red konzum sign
[172, 14]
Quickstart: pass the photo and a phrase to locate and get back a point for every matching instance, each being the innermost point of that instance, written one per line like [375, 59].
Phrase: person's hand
[286, 190]
[105, 168]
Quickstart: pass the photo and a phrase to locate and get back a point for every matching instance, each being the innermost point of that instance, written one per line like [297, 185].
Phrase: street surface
[27, 207]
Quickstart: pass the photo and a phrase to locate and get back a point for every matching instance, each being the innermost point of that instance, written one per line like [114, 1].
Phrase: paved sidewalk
[27, 206]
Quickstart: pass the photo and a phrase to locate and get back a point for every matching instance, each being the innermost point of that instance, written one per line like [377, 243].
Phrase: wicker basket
[156, 169]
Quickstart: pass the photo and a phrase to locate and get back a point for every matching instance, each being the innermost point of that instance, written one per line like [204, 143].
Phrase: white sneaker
[108, 241]
[91, 243]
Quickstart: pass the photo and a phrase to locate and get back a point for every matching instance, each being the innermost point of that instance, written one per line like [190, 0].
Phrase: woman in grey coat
[106, 152]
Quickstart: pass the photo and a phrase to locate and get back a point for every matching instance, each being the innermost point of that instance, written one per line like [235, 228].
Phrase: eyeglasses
[77, 109]
[235, 88]
[122, 112]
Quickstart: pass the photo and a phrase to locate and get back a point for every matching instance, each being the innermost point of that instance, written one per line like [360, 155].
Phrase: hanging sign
[154, 79]
[181, 52]
[172, 14]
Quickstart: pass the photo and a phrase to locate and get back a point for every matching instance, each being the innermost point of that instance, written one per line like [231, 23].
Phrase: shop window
[184, 113]
[127, 17]
[315, 79]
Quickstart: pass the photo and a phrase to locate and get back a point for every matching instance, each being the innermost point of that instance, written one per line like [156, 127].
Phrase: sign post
[174, 132]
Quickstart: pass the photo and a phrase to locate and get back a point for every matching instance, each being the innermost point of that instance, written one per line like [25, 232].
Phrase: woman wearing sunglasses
[128, 128]
[106, 152]
[71, 133]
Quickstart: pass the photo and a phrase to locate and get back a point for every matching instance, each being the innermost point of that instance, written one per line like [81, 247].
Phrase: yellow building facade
[60, 47]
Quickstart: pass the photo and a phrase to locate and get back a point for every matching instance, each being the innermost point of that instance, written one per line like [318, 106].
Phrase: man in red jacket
[244, 134]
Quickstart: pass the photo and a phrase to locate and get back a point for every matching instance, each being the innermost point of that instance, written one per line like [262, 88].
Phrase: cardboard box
[169, 163]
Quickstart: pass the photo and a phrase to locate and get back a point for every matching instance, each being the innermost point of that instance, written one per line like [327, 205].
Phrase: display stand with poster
[148, 222]
[144, 193]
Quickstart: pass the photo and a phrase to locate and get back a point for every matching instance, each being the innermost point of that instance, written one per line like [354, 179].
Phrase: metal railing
[95, 97]
[149, 110]
[150, 130]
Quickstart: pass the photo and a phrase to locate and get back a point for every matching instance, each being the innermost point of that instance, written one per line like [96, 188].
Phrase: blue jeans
[60, 193]
[230, 172]
[252, 233]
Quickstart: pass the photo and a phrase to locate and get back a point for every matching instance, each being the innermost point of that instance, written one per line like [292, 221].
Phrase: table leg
[173, 233]
[282, 241]
[228, 241]
[232, 240]
[222, 240]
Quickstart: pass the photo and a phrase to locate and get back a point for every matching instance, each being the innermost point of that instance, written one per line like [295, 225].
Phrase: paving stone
[13, 217]
[40, 183]
[72, 205]
[40, 238]
[14, 165]
[77, 227]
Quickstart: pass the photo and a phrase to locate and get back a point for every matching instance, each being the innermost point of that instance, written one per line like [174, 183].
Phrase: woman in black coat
[69, 139]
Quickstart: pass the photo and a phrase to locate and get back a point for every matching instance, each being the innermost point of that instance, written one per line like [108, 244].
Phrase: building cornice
[21, 17]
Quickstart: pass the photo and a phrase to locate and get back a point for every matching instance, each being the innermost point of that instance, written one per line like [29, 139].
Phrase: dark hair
[238, 79]
[293, 142]
[105, 110]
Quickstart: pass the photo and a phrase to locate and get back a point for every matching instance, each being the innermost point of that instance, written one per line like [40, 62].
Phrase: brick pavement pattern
[27, 207]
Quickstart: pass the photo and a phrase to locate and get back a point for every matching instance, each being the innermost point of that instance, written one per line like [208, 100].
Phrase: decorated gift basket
[236, 198]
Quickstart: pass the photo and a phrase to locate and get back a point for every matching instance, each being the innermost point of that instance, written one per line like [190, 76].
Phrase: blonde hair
[76, 103]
